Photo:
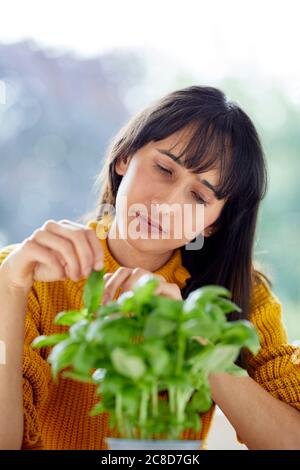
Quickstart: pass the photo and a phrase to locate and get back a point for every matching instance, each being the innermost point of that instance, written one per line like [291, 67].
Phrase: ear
[121, 166]
[208, 231]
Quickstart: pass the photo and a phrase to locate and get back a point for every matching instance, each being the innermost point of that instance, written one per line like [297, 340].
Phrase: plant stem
[172, 398]
[154, 399]
[179, 405]
[119, 412]
[181, 349]
[143, 411]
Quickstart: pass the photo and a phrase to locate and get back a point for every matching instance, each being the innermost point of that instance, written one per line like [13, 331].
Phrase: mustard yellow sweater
[56, 414]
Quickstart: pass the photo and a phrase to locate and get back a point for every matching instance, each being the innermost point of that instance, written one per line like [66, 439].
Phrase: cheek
[197, 219]
[134, 189]
[194, 220]
[142, 187]
[211, 215]
[131, 184]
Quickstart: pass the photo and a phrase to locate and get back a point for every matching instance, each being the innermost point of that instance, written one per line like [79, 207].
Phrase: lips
[150, 222]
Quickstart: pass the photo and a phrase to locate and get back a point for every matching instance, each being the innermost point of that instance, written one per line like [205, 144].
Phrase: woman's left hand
[125, 278]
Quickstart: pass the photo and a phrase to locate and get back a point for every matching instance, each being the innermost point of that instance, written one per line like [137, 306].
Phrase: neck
[127, 255]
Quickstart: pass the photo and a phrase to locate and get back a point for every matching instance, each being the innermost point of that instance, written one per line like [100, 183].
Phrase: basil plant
[142, 346]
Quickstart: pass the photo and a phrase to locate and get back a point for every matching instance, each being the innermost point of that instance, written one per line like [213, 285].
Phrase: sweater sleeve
[36, 370]
[276, 367]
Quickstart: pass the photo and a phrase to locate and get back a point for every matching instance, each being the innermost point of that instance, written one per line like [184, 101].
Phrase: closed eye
[196, 196]
[199, 199]
[163, 170]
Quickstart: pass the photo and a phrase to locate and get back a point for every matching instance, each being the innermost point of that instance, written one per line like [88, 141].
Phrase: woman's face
[161, 189]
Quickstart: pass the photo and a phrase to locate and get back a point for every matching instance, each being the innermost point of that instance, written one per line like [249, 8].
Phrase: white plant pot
[115, 443]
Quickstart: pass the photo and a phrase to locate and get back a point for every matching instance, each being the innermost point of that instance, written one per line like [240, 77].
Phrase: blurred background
[72, 73]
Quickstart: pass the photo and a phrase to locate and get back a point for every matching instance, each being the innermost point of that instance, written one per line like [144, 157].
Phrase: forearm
[260, 420]
[12, 310]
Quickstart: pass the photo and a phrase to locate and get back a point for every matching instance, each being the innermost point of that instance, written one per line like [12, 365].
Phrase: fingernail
[99, 265]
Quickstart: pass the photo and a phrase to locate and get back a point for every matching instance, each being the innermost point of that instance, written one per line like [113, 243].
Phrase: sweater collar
[173, 270]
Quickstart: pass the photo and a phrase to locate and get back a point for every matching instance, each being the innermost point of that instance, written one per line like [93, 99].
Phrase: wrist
[10, 286]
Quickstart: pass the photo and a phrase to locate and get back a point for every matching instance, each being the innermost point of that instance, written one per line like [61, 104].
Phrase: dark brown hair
[221, 135]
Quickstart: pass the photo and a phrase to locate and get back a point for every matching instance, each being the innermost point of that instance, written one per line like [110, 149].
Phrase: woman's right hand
[56, 251]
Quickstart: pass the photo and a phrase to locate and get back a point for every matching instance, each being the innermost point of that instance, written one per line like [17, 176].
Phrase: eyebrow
[179, 162]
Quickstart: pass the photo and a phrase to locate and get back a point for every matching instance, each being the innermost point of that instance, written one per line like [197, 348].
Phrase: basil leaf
[69, 317]
[128, 364]
[93, 290]
[157, 326]
[44, 341]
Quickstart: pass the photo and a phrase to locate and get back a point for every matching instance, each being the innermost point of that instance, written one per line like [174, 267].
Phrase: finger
[170, 290]
[107, 276]
[40, 254]
[136, 274]
[114, 282]
[97, 249]
[61, 261]
[80, 242]
[94, 242]
[62, 246]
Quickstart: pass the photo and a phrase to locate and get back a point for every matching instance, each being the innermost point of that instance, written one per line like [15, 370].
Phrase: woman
[191, 148]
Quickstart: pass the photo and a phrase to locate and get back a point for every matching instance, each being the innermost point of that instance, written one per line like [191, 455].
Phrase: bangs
[209, 147]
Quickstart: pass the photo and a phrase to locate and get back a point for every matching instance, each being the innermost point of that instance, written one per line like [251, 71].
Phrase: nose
[169, 196]
[167, 208]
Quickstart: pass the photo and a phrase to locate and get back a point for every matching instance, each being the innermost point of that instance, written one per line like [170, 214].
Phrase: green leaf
[77, 376]
[159, 358]
[236, 370]
[97, 409]
[95, 332]
[196, 422]
[78, 330]
[215, 313]
[241, 333]
[62, 356]
[168, 308]
[131, 400]
[107, 309]
[43, 340]
[93, 290]
[112, 384]
[203, 326]
[69, 317]
[197, 299]
[144, 288]
[213, 291]
[99, 375]
[84, 359]
[127, 302]
[128, 364]
[110, 330]
[201, 400]
[157, 326]
[198, 380]
[227, 306]
[214, 358]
